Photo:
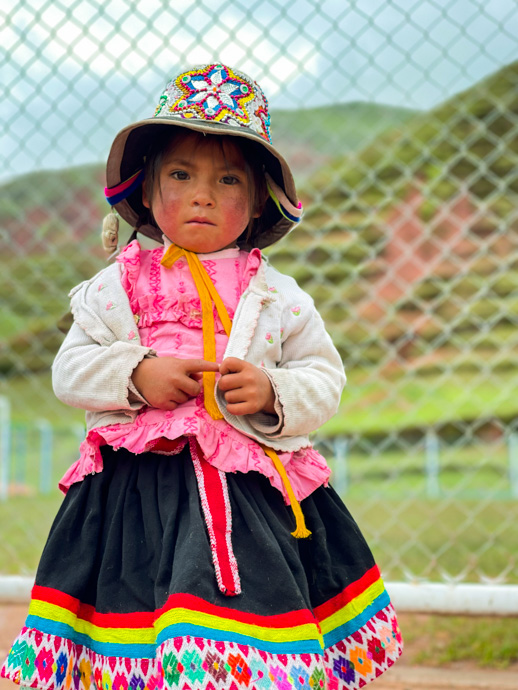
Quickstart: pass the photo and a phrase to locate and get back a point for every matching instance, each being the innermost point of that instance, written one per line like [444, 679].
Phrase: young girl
[181, 556]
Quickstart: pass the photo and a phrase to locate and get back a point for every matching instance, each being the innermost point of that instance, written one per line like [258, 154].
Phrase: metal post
[19, 453]
[45, 430]
[341, 479]
[433, 489]
[79, 432]
[512, 444]
[5, 446]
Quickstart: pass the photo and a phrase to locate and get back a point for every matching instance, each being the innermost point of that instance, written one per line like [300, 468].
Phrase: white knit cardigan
[276, 327]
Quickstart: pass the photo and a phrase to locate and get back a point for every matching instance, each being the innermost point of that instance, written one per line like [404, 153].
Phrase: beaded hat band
[213, 99]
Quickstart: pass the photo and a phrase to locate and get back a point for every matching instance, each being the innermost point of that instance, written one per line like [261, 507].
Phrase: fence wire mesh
[400, 120]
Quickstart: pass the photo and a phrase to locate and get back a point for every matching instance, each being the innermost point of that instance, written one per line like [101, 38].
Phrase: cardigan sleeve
[309, 378]
[97, 377]
[278, 328]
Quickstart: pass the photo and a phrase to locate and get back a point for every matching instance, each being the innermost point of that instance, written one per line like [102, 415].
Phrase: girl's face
[202, 199]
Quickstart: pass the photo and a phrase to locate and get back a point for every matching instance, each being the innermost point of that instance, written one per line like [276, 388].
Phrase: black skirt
[126, 593]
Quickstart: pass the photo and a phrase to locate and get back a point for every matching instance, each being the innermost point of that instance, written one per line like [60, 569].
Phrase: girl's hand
[247, 389]
[165, 382]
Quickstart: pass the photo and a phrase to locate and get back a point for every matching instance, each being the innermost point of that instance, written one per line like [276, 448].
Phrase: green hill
[410, 249]
[311, 138]
[470, 139]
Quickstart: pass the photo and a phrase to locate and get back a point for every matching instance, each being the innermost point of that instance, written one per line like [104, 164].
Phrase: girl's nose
[203, 196]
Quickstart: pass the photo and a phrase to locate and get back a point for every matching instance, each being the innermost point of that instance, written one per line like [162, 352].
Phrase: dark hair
[254, 158]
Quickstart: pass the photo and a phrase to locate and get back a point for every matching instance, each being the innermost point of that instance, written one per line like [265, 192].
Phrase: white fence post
[432, 464]
[512, 445]
[46, 438]
[5, 446]
[340, 481]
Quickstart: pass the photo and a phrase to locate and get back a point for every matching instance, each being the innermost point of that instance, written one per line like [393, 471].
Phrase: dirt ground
[403, 676]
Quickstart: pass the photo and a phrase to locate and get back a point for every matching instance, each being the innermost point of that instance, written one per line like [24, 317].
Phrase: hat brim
[127, 157]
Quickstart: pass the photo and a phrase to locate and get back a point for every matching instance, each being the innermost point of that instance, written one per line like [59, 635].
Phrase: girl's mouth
[201, 221]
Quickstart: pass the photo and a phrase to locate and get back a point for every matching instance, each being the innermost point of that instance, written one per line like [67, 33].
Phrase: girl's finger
[189, 386]
[228, 382]
[231, 365]
[179, 396]
[241, 408]
[235, 396]
[191, 366]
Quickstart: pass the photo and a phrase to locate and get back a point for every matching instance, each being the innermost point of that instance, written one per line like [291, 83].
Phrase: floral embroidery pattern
[300, 678]
[318, 679]
[215, 666]
[260, 675]
[110, 305]
[332, 681]
[61, 668]
[171, 669]
[106, 681]
[85, 669]
[269, 338]
[192, 663]
[239, 668]
[132, 335]
[344, 669]
[187, 663]
[295, 311]
[44, 662]
[217, 93]
[29, 667]
[280, 678]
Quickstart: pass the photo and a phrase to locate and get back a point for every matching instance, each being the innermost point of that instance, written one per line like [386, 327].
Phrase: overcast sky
[73, 73]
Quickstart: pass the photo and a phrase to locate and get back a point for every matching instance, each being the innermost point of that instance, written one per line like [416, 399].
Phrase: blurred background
[400, 120]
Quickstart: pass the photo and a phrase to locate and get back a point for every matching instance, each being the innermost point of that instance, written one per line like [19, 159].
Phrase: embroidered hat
[212, 99]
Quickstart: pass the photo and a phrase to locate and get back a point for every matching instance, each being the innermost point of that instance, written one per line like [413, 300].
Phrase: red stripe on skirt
[145, 619]
[215, 502]
[348, 594]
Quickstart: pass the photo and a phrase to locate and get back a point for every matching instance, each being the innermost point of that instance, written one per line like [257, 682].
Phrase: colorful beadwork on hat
[216, 93]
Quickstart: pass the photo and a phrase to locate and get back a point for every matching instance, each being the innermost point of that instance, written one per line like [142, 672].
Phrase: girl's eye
[230, 179]
[180, 175]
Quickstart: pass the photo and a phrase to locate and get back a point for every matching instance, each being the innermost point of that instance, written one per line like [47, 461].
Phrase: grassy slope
[486, 642]
[470, 326]
[442, 146]
[329, 131]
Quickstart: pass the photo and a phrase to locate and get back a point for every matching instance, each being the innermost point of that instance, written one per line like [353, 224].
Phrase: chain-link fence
[400, 120]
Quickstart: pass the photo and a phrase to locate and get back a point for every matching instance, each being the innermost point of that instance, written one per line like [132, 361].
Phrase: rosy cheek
[169, 203]
[236, 211]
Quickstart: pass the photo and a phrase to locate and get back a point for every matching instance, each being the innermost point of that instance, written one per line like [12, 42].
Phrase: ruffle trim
[151, 309]
[223, 447]
[186, 307]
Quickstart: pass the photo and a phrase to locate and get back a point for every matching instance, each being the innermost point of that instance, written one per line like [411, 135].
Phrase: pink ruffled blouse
[167, 312]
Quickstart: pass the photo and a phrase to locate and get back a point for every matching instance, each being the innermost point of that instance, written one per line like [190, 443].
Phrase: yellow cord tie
[209, 296]
[301, 531]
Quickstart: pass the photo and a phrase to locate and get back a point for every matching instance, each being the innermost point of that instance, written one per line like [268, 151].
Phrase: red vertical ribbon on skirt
[215, 502]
